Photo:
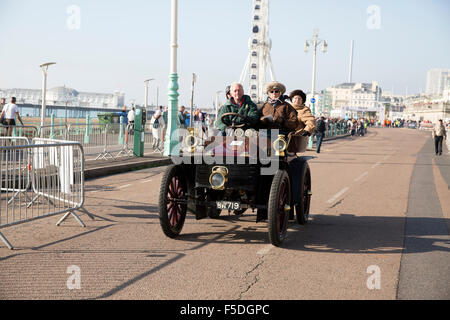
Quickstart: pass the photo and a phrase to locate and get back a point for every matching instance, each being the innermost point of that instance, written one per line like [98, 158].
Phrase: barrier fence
[58, 132]
[40, 179]
[19, 131]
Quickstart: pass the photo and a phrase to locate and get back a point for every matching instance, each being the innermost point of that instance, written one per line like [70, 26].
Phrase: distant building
[427, 108]
[353, 99]
[437, 80]
[60, 96]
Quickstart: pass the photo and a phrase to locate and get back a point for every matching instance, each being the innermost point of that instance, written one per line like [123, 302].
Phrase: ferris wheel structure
[258, 60]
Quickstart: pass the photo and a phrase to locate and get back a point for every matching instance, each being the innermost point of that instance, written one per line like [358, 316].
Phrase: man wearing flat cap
[276, 112]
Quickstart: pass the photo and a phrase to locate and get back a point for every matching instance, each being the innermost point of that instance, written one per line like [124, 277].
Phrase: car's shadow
[344, 233]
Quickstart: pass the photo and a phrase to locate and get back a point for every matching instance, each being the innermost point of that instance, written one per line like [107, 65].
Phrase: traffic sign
[313, 100]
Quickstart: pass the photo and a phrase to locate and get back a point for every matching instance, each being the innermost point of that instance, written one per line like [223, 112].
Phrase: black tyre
[214, 213]
[279, 207]
[302, 207]
[172, 201]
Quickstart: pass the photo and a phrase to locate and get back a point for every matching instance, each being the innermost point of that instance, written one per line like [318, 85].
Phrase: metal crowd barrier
[20, 181]
[58, 132]
[19, 131]
[41, 179]
[102, 140]
[128, 141]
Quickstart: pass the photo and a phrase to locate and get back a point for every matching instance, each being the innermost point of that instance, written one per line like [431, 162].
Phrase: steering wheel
[233, 125]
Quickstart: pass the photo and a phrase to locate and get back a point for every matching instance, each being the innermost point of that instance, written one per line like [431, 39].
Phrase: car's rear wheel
[279, 207]
[172, 201]
[214, 213]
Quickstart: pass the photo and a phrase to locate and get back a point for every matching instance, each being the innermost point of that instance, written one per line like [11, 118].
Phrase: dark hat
[298, 93]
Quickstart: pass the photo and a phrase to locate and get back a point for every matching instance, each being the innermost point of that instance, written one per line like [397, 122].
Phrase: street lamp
[146, 82]
[171, 141]
[314, 42]
[44, 68]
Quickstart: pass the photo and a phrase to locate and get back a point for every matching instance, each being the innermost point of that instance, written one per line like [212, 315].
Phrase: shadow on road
[348, 233]
[345, 233]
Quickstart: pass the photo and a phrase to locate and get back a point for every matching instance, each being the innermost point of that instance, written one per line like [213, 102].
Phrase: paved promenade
[381, 201]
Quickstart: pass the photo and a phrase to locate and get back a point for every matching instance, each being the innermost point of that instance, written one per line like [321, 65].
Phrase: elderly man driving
[241, 104]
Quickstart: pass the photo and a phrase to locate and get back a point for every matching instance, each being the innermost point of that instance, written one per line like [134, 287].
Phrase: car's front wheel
[172, 201]
[279, 207]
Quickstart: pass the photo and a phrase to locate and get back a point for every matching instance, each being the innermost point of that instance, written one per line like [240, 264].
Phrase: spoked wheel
[172, 201]
[279, 207]
[302, 208]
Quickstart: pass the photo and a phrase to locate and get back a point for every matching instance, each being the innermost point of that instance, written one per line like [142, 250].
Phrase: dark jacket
[321, 127]
[247, 108]
[284, 116]
[181, 120]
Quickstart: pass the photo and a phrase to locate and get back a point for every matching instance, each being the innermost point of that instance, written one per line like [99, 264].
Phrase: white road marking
[145, 181]
[265, 250]
[361, 176]
[337, 195]
[125, 186]
[376, 165]
[94, 191]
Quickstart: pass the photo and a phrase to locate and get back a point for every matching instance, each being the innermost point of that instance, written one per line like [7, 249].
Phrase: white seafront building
[351, 99]
[60, 96]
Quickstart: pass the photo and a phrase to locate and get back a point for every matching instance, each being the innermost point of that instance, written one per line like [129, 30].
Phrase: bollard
[87, 132]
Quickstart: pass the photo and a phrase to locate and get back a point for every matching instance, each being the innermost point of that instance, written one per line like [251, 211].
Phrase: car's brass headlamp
[218, 178]
[280, 145]
[191, 140]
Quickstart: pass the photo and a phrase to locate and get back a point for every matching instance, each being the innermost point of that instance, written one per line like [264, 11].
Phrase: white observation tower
[259, 52]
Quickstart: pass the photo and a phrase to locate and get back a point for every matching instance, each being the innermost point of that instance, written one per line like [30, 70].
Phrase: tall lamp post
[314, 42]
[44, 68]
[146, 82]
[171, 141]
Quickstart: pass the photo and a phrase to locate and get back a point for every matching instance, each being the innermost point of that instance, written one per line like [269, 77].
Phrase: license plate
[228, 205]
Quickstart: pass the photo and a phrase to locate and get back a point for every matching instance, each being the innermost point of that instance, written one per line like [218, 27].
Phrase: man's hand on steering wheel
[245, 118]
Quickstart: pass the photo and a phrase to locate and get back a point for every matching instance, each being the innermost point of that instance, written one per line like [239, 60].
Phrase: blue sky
[122, 43]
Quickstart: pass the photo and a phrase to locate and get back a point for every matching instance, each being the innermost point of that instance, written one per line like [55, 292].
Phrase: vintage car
[242, 170]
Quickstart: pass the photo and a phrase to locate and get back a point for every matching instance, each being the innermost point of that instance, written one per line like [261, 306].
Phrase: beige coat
[305, 119]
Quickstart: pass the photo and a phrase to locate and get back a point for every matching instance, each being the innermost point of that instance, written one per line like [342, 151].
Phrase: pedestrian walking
[320, 133]
[353, 128]
[130, 116]
[439, 134]
[361, 127]
[166, 121]
[157, 123]
[10, 111]
[2, 104]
